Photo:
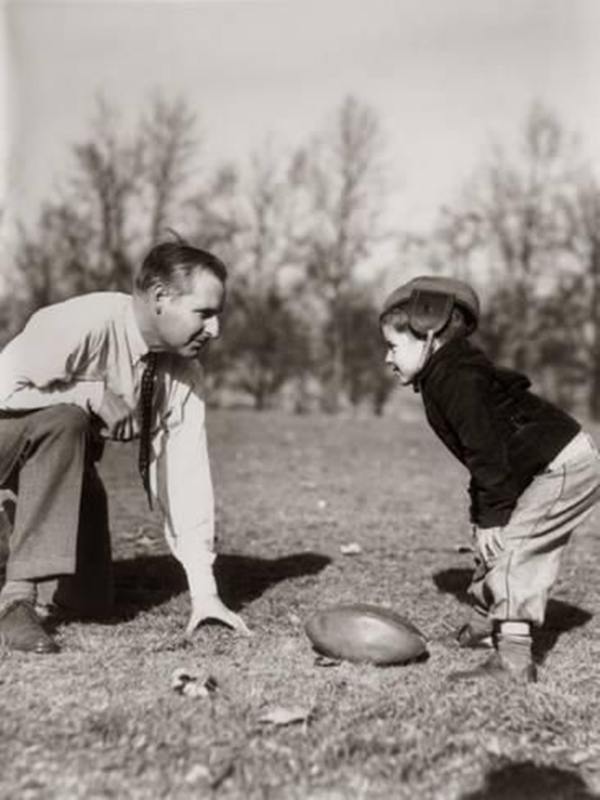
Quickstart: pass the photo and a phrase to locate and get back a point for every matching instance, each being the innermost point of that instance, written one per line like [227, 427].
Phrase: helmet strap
[428, 347]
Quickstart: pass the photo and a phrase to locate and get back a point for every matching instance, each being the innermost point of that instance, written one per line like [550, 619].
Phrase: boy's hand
[214, 608]
[489, 542]
[119, 420]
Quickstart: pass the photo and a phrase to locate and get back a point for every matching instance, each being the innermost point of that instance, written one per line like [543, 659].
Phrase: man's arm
[38, 368]
[182, 484]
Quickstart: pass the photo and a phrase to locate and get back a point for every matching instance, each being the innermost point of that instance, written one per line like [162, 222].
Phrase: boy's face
[404, 352]
[186, 322]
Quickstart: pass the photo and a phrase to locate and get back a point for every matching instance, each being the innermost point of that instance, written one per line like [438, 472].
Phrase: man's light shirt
[69, 353]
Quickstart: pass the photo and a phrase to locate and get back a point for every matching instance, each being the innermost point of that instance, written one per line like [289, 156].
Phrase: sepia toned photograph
[299, 400]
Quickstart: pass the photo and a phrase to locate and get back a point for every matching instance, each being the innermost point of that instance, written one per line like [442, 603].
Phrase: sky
[445, 77]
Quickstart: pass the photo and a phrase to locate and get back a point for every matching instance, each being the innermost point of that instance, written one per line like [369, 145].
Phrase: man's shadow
[143, 582]
[560, 616]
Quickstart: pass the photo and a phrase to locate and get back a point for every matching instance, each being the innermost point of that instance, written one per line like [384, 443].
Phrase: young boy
[535, 476]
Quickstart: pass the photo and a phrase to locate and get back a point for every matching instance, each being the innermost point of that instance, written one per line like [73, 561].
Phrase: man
[115, 366]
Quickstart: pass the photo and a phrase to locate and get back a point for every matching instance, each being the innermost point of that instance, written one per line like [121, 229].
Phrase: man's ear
[159, 294]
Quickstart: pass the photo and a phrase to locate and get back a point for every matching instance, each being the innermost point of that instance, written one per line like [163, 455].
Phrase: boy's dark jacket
[503, 433]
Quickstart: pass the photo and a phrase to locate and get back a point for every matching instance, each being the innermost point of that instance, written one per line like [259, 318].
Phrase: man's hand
[119, 420]
[214, 608]
[489, 542]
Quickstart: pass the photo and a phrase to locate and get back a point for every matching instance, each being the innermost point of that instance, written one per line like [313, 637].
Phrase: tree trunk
[594, 396]
[335, 378]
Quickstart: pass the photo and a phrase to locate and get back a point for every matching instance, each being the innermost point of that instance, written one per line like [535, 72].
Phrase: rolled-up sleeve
[43, 365]
[182, 484]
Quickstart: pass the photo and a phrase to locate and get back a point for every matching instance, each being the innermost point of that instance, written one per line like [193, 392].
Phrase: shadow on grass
[560, 616]
[525, 780]
[147, 581]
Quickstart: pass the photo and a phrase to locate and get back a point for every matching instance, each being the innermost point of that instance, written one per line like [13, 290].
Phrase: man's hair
[398, 318]
[174, 263]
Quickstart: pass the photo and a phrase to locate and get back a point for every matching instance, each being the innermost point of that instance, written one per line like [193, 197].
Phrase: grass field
[101, 719]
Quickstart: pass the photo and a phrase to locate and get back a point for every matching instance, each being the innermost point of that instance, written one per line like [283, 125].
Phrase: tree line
[307, 239]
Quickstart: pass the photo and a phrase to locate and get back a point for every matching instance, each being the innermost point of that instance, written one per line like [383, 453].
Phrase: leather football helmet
[429, 301]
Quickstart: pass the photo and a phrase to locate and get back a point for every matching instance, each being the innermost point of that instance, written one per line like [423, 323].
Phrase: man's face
[186, 322]
[404, 352]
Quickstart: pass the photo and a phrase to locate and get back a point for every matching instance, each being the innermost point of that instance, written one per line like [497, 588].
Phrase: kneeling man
[115, 366]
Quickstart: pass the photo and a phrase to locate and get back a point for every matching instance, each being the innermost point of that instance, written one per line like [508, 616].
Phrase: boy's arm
[489, 542]
[465, 401]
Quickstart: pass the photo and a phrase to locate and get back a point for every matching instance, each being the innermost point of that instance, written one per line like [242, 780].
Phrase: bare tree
[170, 144]
[216, 212]
[511, 228]
[53, 263]
[104, 190]
[340, 176]
[123, 190]
[584, 213]
[245, 215]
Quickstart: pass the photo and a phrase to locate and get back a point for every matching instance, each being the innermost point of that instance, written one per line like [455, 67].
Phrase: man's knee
[65, 421]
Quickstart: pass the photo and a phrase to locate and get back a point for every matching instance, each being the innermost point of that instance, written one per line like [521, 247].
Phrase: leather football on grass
[360, 632]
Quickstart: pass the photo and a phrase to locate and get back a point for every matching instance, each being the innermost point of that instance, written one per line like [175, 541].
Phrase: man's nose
[213, 327]
[388, 357]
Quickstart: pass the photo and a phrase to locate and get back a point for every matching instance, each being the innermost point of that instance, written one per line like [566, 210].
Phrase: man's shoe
[471, 638]
[500, 668]
[20, 629]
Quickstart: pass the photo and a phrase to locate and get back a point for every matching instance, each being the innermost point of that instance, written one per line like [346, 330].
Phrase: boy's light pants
[515, 584]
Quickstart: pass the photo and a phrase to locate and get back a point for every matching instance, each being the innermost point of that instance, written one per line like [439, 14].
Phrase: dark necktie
[146, 397]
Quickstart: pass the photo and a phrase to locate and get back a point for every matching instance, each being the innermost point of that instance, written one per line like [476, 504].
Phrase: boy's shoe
[500, 668]
[21, 629]
[472, 638]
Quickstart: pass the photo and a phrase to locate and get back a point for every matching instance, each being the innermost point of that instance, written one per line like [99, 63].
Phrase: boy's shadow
[523, 780]
[147, 581]
[560, 616]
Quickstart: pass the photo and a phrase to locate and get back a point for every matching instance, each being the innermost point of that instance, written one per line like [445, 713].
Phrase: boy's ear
[429, 311]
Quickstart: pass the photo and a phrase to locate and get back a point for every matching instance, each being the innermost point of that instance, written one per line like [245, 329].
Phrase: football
[360, 632]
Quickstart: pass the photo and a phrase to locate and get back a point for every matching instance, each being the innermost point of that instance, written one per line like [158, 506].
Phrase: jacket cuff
[493, 518]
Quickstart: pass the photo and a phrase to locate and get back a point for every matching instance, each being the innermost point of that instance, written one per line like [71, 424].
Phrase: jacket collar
[451, 351]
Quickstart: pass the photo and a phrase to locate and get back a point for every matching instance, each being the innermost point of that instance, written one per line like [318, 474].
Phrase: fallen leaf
[326, 661]
[191, 685]
[494, 746]
[351, 549]
[194, 690]
[285, 716]
[197, 773]
[580, 756]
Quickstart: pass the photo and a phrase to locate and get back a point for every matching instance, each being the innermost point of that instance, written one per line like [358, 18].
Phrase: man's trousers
[60, 527]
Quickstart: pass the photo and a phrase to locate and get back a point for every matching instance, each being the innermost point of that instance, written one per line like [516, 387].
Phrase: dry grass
[101, 719]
